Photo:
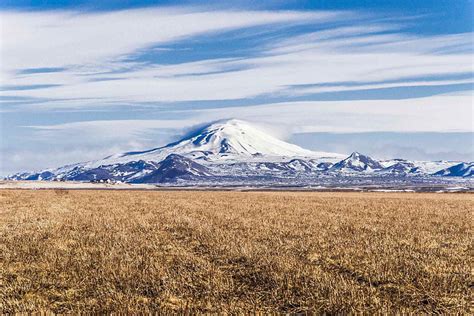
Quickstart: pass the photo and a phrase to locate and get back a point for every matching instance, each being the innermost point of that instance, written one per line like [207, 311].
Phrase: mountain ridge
[235, 149]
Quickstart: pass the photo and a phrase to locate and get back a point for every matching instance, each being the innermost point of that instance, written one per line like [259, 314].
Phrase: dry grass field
[136, 251]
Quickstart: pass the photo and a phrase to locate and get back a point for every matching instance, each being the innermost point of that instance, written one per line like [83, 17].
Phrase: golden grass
[136, 251]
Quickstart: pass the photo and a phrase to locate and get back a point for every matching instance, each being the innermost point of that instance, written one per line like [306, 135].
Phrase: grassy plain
[136, 251]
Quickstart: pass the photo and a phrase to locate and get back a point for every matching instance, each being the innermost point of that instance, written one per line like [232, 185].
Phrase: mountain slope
[460, 170]
[401, 167]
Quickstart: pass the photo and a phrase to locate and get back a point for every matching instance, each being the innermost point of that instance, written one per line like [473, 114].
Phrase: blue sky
[80, 80]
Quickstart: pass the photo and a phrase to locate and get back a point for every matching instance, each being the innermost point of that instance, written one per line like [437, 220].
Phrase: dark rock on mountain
[96, 174]
[175, 167]
[323, 166]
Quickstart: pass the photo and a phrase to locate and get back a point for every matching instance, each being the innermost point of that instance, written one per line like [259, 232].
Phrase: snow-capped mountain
[235, 151]
[357, 162]
[230, 140]
[460, 170]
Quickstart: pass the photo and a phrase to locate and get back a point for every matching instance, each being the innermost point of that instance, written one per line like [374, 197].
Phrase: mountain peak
[357, 162]
[356, 155]
[235, 138]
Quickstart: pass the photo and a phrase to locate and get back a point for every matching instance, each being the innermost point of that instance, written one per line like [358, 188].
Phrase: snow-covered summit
[236, 137]
[229, 140]
[357, 162]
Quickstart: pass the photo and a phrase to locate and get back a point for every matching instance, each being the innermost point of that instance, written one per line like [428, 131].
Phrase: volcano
[230, 140]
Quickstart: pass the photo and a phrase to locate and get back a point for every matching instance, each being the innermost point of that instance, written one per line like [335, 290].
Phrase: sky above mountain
[80, 80]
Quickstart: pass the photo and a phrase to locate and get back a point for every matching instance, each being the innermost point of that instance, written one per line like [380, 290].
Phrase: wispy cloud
[107, 130]
[56, 39]
[450, 113]
[91, 51]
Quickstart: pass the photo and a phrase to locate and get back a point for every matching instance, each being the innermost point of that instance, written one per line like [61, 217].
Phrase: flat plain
[231, 252]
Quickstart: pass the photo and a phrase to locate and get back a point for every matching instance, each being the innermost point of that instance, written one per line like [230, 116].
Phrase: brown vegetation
[135, 251]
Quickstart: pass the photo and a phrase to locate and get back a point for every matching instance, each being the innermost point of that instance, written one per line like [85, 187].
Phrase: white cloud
[259, 76]
[106, 130]
[361, 86]
[432, 114]
[89, 44]
[63, 38]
